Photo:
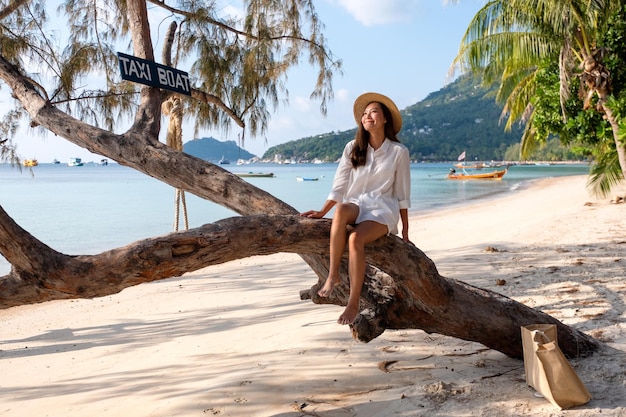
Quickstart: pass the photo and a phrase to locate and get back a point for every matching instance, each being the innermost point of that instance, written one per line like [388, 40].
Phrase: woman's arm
[404, 218]
[329, 204]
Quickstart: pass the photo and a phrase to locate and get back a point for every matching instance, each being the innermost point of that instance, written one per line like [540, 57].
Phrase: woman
[371, 190]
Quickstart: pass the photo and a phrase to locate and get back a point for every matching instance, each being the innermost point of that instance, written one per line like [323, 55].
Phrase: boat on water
[224, 161]
[482, 175]
[306, 179]
[30, 162]
[56, 161]
[255, 174]
[492, 175]
[75, 162]
[477, 165]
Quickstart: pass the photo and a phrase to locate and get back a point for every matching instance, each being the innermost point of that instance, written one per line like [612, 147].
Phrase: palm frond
[605, 173]
[528, 142]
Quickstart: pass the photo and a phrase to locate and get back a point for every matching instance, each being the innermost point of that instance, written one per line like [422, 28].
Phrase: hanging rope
[180, 199]
[173, 108]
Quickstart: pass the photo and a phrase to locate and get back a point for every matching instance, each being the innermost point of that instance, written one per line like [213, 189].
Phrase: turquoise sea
[92, 208]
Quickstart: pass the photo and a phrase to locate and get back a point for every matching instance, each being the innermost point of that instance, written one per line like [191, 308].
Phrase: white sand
[235, 340]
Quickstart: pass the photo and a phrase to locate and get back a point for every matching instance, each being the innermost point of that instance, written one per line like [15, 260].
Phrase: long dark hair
[362, 137]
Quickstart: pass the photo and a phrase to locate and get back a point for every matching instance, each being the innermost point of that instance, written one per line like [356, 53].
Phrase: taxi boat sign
[155, 75]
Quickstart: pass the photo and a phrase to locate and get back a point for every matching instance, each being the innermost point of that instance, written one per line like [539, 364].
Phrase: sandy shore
[235, 340]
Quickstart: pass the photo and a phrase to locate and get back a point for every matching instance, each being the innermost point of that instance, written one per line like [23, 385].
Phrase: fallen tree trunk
[403, 287]
[412, 296]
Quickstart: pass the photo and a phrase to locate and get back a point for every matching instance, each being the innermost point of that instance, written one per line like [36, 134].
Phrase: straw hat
[364, 99]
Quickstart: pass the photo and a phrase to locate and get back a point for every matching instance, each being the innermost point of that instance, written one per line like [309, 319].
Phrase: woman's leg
[363, 233]
[345, 214]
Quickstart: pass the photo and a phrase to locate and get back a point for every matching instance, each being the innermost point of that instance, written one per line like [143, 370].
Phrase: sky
[400, 48]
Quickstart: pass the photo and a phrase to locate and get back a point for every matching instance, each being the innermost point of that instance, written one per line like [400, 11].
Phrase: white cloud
[377, 12]
[234, 11]
[342, 95]
[301, 104]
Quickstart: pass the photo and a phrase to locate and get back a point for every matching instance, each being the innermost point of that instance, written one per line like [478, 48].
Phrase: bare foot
[328, 287]
[348, 315]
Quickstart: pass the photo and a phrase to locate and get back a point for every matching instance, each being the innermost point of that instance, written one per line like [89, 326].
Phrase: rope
[182, 196]
[173, 108]
[176, 211]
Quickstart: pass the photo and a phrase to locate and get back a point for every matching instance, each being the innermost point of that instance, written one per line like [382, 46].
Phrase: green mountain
[462, 116]
[211, 149]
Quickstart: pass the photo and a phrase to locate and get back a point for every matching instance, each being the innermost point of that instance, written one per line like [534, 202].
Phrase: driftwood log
[411, 294]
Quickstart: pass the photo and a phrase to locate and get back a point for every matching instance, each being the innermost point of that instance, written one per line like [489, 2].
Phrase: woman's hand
[405, 237]
[313, 214]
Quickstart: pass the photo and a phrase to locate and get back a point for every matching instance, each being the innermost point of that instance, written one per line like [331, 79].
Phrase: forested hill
[211, 149]
[462, 116]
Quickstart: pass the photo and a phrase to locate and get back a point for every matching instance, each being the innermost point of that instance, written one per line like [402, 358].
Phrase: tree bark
[597, 80]
[414, 295]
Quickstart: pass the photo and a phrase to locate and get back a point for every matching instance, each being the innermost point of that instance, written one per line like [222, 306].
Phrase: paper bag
[547, 369]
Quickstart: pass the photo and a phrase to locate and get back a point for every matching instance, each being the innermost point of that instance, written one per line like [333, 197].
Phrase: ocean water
[92, 208]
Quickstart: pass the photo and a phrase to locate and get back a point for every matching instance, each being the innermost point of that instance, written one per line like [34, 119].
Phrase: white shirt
[380, 188]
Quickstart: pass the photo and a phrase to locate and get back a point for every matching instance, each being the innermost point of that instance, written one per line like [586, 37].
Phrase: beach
[236, 340]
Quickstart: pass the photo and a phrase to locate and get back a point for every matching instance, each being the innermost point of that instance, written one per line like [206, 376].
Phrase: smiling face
[373, 119]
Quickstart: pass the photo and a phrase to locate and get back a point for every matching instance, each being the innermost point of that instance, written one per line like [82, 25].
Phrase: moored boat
[255, 174]
[306, 179]
[477, 165]
[493, 175]
[480, 165]
[75, 162]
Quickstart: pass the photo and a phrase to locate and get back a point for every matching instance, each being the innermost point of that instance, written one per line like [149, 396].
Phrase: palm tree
[510, 41]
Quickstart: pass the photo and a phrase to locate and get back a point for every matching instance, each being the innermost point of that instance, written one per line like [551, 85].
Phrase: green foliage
[605, 171]
[578, 127]
[614, 40]
[551, 150]
[326, 147]
[554, 150]
[547, 116]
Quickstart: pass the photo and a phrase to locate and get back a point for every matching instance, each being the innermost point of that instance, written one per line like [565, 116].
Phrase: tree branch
[148, 117]
[415, 297]
[11, 7]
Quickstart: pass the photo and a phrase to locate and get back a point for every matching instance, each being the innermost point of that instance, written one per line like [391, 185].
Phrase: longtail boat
[493, 175]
